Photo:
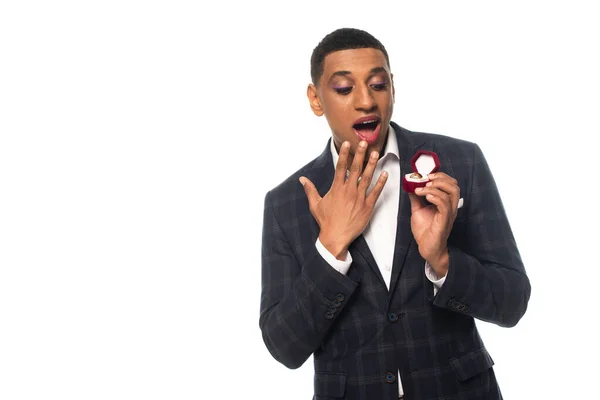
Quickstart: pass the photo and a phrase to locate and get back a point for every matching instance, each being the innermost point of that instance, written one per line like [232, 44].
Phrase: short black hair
[341, 39]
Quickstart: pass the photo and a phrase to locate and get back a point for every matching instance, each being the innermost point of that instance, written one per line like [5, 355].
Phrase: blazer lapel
[404, 238]
[360, 245]
[321, 175]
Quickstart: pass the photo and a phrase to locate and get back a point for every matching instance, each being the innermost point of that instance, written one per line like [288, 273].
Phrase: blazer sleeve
[299, 301]
[486, 278]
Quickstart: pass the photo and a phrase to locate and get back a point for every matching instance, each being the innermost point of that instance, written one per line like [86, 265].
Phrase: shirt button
[387, 267]
[389, 377]
[393, 317]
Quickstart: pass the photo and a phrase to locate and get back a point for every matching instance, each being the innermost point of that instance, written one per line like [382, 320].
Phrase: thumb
[311, 191]
[416, 202]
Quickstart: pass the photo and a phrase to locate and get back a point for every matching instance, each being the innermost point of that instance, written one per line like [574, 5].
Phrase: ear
[393, 90]
[313, 100]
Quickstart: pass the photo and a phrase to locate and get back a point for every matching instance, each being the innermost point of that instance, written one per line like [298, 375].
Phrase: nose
[364, 100]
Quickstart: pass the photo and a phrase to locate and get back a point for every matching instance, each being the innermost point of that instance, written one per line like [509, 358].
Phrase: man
[383, 286]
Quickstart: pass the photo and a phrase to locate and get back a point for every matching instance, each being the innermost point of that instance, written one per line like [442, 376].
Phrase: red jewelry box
[424, 162]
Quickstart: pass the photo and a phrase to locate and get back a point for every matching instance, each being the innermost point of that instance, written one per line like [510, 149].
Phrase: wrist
[440, 263]
[337, 248]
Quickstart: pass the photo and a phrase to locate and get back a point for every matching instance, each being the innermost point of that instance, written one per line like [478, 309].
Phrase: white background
[138, 139]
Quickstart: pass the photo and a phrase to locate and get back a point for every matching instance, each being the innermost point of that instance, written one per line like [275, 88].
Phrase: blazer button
[336, 303]
[332, 310]
[393, 317]
[329, 315]
[339, 297]
[389, 377]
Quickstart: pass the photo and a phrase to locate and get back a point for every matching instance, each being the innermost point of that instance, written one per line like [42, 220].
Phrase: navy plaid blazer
[360, 333]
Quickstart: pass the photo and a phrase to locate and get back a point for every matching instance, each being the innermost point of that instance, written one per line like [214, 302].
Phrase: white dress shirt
[380, 233]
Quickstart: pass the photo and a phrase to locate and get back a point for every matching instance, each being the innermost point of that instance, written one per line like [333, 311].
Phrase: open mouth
[367, 128]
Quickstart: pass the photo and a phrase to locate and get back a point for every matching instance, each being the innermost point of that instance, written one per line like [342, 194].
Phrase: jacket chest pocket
[329, 386]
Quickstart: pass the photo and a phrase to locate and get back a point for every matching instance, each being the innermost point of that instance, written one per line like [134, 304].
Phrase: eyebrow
[372, 72]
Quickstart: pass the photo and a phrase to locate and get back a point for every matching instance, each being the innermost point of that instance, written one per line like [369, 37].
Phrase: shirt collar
[391, 147]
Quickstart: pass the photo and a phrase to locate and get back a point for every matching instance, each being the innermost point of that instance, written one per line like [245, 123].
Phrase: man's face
[356, 95]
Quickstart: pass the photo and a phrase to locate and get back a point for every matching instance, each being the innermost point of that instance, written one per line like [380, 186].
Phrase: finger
[448, 186]
[312, 194]
[439, 198]
[440, 175]
[358, 162]
[342, 164]
[416, 202]
[367, 175]
[377, 189]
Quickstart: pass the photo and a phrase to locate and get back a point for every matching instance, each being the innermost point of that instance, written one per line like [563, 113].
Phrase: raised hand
[344, 212]
[431, 224]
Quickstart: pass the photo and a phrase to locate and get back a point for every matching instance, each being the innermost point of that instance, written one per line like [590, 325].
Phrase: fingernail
[346, 145]
[384, 174]
[429, 183]
[418, 190]
[374, 155]
[363, 144]
[302, 180]
[431, 176]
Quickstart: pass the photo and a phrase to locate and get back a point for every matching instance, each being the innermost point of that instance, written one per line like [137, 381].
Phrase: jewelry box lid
[425, 162]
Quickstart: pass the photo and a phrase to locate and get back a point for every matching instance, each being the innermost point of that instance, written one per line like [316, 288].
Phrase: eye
[343, 90]
[379, 86]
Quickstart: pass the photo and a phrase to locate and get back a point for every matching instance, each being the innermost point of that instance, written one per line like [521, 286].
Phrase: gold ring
[416, 175]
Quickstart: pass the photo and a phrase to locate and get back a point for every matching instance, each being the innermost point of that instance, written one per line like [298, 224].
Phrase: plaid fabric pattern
[361, 333]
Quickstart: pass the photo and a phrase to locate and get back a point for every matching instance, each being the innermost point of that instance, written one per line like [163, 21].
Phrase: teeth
[369, 122]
